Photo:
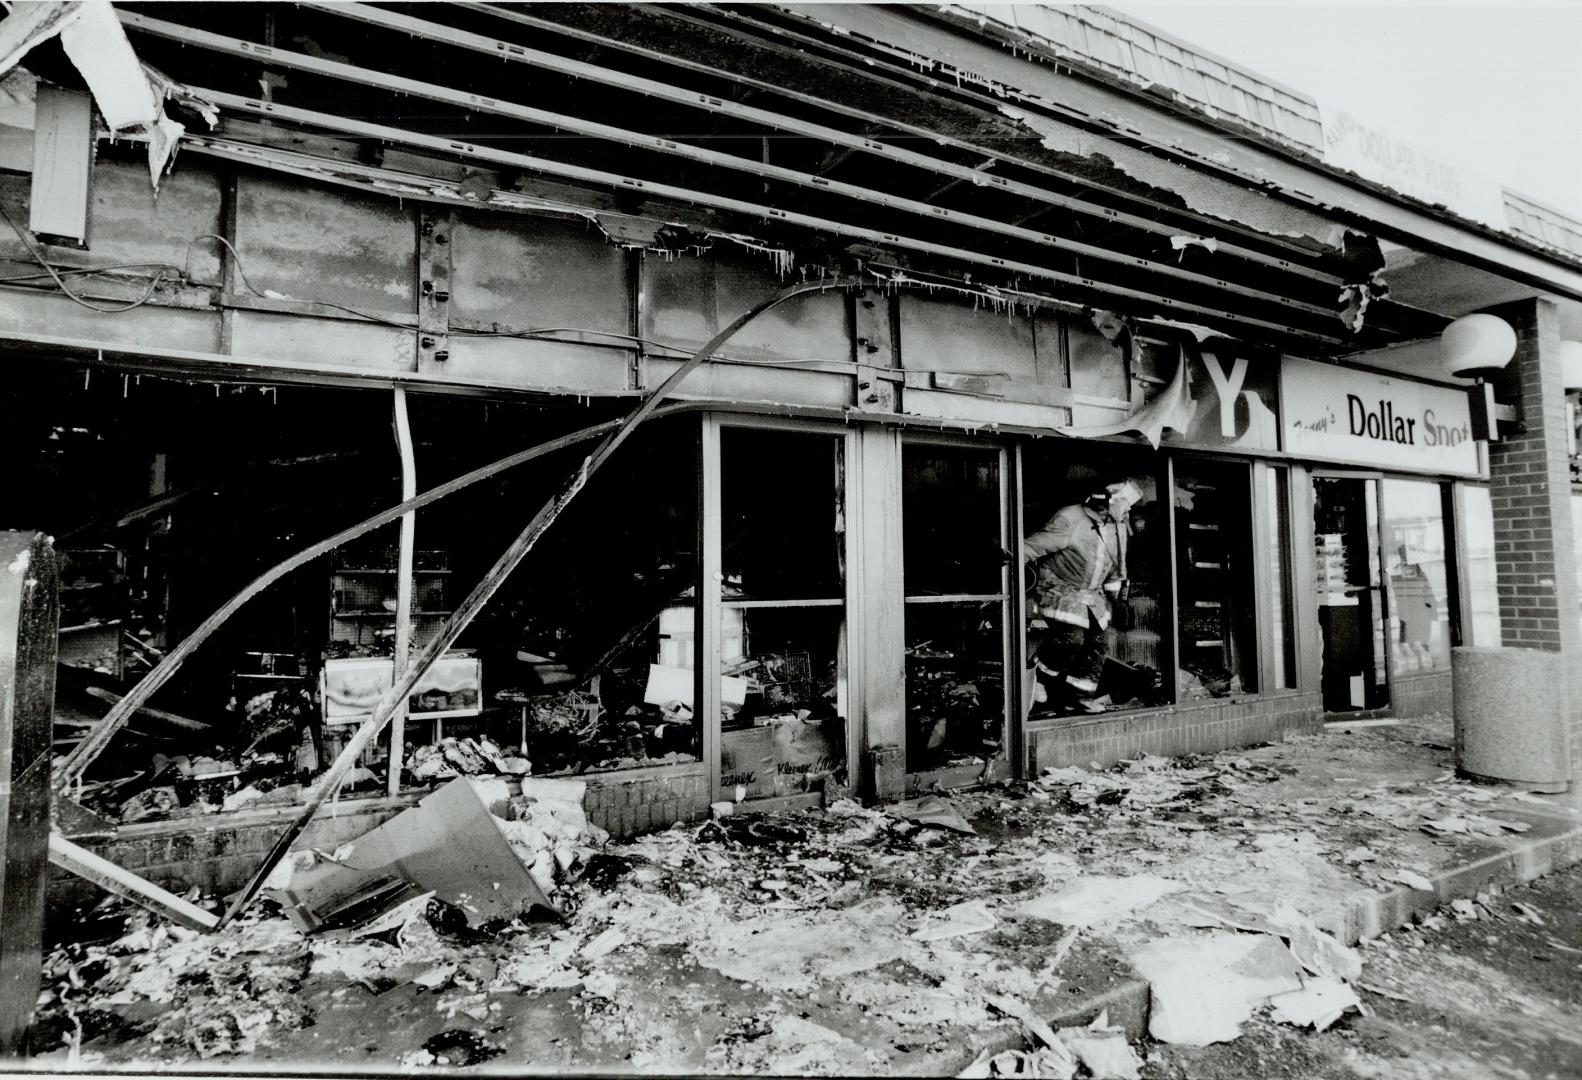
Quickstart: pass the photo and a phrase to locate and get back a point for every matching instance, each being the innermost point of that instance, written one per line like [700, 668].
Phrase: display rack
[363, 589]
[1204, 582]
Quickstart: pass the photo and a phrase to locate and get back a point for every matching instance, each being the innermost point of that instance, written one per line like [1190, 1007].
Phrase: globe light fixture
[1476, 345]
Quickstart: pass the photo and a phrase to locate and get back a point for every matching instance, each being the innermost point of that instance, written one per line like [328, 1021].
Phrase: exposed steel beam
[1208, 225]
[511, 51]
[619, 182]
[462, 99]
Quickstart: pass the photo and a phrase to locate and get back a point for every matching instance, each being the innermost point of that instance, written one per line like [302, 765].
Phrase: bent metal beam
[593, 129]
[601, 178]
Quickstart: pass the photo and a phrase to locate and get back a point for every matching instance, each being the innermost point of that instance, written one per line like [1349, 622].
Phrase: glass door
[1349, 581]
[956, 573]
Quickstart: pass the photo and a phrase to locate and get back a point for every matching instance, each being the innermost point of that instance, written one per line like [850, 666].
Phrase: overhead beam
[513, 52]
[621, 182]
[1207, 226]
[461, 99]
[1236, 156]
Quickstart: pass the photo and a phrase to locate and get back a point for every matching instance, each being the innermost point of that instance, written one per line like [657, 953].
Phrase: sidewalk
[856, 941]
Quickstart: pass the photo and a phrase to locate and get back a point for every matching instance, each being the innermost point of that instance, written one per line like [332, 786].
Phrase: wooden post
[29, 619]
[403, 612]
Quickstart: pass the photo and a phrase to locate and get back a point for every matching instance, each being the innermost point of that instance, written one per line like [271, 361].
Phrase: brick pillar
[1531, 488]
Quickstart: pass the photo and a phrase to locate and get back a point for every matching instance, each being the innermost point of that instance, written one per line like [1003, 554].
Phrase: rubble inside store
[844, 940]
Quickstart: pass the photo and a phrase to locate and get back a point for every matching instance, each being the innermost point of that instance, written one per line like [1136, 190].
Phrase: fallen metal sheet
[447, 844]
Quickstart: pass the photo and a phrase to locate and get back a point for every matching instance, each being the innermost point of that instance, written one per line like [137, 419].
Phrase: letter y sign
[1228, 387]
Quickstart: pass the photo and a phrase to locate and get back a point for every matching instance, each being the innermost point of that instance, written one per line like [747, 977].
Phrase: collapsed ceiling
[679, 126]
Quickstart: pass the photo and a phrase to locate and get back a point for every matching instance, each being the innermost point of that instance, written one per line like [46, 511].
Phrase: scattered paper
[956, 921]
[1318, 1004]
[1103, 1050]
[1095, 901]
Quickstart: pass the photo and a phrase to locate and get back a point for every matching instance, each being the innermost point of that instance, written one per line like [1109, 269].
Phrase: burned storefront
[927, 414]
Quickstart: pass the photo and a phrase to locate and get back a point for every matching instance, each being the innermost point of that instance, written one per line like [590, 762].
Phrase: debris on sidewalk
[1097, 901]
[1102, 1050]
[958, 920]
[848, 939]
[451, 845]
[1318, 1004]
[932, 811]
[1203, 988]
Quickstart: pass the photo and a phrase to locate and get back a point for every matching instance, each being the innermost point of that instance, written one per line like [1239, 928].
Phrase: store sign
[1234, 397]
[1359, 417]
[1358, 144]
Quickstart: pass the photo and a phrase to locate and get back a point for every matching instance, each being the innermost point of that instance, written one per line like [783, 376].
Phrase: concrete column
[1531, 489]
[881, 613]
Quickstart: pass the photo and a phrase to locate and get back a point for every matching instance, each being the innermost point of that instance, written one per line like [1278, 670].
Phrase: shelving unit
[363, 599]
[1204, 597]
[93, 606]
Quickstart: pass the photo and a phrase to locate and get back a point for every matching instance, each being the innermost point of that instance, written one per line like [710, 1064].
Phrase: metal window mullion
[1458, 582]
[1264, 586]
[1173, 594]
[706, 610]
[404, 564]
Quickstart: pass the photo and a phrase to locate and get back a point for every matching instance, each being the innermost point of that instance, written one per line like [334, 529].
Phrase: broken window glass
[1416, 573]
[953, 524]
[783, 617]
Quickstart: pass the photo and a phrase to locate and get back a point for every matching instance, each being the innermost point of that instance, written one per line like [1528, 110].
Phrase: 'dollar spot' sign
[1340, 414]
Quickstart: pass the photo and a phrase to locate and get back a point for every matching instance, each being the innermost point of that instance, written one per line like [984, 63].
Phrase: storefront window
[1282, 640]
[1416, 575]
[1214, 582]
[955, 570]
[1483, 601]
[783, 626]
[1098, 579]
[586, 651]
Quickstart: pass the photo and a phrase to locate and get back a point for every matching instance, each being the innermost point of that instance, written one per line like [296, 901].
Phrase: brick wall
[1531, 490]
[1183, 729]
[1419, 695]
[640, 800]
